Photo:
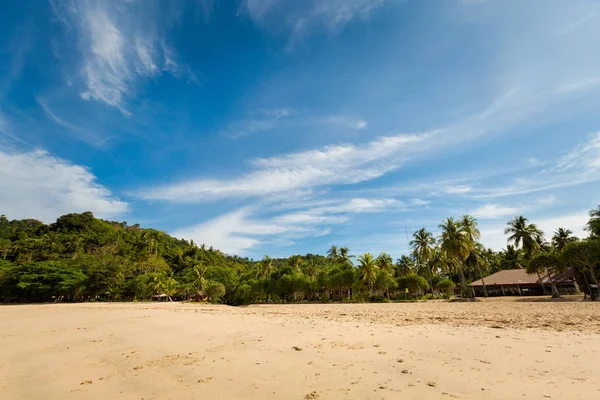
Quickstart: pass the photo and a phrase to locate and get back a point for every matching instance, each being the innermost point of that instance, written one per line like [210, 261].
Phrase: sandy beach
[493, 350]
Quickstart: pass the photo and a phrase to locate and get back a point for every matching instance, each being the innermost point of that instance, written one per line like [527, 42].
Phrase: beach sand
[486, 350]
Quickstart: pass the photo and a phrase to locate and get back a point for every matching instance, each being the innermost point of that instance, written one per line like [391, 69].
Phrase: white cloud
[120, 42]
[493, 211]
[238, 231]
[575, 221]
[341, 164]
[299, 19]
[36, 185]
[584, 156]
[458, 189]
[492, 235]
[349, 122]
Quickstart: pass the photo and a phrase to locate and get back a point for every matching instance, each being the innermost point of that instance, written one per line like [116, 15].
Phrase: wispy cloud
[585, 156]
[283, 119]
[37, 185]
[341, 164]
[120, 42]
[299, 19]
[241, 230]
[82, 134]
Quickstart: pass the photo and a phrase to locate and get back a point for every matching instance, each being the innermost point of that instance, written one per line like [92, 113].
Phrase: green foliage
[413, 283]
[446, 285]
[215, 291]
[82, 258]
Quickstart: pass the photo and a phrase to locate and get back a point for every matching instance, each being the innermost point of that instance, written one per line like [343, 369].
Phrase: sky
[284, 127]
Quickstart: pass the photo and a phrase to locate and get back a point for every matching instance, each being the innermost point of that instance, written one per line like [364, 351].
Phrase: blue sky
[282, 127]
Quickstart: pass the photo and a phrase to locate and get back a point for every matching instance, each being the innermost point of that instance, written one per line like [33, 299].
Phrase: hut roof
[521, 277]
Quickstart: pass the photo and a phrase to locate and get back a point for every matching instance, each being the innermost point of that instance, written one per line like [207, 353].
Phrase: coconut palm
[593, 224]
[384, 262]
[266, 267]
[345, 256]
[456, 243]
[367, 269]
[296, 263]
[475, 261]
[524, 235]
[561, 237]
[199, 282]
[469, 224]
[511, 258]
[422, 244]
[333, 254]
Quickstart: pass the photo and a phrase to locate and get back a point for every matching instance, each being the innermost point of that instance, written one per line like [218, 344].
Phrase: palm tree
[593, 224]
[384, 262]
[199, 282]
[266, 267]
[475, 261]
[469, 224]
[332, 254]
[422, 244]
[561, 237]
[511, 258]
[296, 263]
[367, 269]
[457, 244]
[345, 256]
[524, 235]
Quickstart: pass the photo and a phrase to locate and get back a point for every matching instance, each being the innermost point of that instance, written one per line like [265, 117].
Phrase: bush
[376, 298]
[446, 285]
[214, 291]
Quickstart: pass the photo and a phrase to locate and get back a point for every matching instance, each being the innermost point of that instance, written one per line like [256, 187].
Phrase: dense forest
[82, 258]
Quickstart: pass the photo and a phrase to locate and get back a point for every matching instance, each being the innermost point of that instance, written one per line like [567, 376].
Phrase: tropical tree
[585, 257]
[214, 291]
[266, 267]
[561, 238]
[512, 258]
[333, 254]
[593, 225]
[384, 262]
[456, 243]
[422, 245]
[547, 264]
[524, 235]
[295, 263]
[475, 261]
[367, 269]
[344, 256]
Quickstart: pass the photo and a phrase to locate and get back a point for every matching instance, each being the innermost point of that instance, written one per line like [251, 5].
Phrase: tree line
[83, 258]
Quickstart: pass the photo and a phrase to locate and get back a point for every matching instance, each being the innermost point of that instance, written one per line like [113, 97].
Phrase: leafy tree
[412, 282]
[215, 291]
[446, 286]
[547, 264]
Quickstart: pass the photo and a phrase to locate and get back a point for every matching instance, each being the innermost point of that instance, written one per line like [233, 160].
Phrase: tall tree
[333, 254]
[367, 269]
[457, 245]
[422, 244]
[524, 235]
[593, 225]
[266, 267]
[561, 238]
[469, 224]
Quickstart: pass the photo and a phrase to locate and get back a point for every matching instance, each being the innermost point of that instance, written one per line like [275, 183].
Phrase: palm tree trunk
[430, 282]
[463, 283]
